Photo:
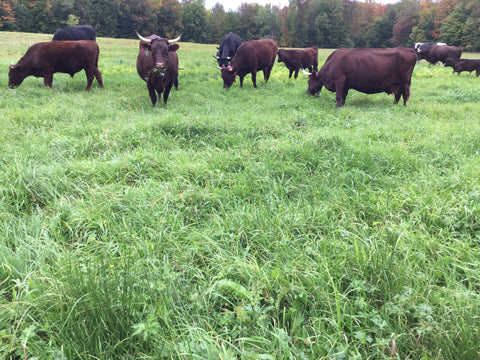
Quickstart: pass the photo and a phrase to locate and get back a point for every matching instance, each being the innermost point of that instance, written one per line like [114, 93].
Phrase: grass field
[236, 224]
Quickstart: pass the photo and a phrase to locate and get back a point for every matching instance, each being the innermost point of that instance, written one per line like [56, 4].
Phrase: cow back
[80, 32]
[255, 55]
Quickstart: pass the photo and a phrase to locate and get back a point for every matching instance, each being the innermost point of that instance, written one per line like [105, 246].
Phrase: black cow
[80, 32]
[298, 59]
[440, 53]
[418, 47]
[251, 57]
[459, 65]
[157, 64]
[46, 58]
[366, 70]
[227, 48]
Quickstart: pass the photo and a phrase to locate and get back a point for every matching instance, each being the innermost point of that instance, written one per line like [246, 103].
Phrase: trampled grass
[241, 223]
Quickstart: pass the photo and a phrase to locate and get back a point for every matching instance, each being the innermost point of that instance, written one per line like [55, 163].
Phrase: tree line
[322, 23]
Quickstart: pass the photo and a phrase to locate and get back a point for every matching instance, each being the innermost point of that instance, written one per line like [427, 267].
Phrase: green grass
[236, 224]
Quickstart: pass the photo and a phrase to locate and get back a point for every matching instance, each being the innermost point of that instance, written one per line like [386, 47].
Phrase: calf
[459, 65]
[46, 58]
[296, 59]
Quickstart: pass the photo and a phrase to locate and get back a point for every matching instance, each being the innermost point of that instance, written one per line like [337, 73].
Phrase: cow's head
[15, 76]
[315, 82]
[159, 48]
[228, 75]
[280, 54]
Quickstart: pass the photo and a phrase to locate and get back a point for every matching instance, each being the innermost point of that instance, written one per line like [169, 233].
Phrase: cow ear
[173, 47]
[146, 46]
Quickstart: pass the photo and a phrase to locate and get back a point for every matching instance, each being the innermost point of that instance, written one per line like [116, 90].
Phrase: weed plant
[236, 224]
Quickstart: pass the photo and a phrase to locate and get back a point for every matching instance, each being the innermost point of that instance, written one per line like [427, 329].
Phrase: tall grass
[241, 223]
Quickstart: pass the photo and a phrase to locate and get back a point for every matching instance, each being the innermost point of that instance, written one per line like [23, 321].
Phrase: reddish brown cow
[46, 58]
[251, 57]
[369, 71]
[459, 65]
[441, 53]
[299, 58]
[157, 64]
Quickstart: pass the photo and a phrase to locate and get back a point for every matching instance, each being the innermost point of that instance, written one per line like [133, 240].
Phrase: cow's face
[228, 76]
[159, 49]
[15, 76]
[315, 83]
[280, 56]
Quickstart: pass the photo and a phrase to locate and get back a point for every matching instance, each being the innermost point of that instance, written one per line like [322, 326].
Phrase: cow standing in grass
[366, 70]
[46, 58]
[297, 59]
[459, 65]
[251, 57]
[157, 65]
[80, 32]
[227, 48]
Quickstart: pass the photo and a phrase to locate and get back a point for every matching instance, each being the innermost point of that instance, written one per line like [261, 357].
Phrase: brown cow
[436, 53]
[251, 57]
[366, 70]
[299, 58]
[459, 65]
[157, 64]
[46, 58]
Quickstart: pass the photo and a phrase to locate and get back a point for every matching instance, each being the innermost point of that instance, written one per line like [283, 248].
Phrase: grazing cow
[251, 57]
[80, 32]
[227, 48]
[366, 70]
[157, 64]
[296, 59]
[459, 65]
[46, 58]
[436, 53]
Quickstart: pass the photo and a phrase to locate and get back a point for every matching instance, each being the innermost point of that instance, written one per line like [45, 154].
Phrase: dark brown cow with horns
[251, 57]
[157, 64]
[366, 70]
[46, 58]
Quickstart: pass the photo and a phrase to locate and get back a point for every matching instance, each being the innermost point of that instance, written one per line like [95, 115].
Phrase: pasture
[236, 224]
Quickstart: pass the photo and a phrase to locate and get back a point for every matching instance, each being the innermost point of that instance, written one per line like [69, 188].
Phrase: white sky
[235, 4]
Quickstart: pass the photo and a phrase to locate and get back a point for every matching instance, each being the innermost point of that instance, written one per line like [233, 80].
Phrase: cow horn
[216, 57]
[175, 40]
[219, 68]
[306, 72]
[142, 38]
[228, 58]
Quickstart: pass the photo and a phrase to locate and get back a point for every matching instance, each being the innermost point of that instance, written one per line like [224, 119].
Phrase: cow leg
[406, 94]
[266, 73]
[241, 80]
[296, 73]
[477, 72]
[166, 92]
[90, 77]
[48, 80]
[98, 76]
[290, 73]
[340, 92]
[175, 82]
[153, 95]
[254, 79]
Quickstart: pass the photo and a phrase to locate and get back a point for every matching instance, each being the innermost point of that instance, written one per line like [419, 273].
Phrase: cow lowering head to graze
[459, 65]
[227, 48]
[440, 53]
[80, 32]
[298, 59]
[251, 57]
[46, 58]
[157, 64]
[366, 70]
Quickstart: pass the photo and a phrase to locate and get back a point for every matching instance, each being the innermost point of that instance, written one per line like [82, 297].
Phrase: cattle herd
[367, 70]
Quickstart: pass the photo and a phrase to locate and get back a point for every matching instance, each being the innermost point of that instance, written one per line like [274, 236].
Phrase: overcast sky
[235, 4]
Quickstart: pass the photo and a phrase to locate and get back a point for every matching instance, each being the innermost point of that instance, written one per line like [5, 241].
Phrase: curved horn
[219, 68]
[228, 58]
[216, 57]
[175, 40]
[306, 72]
[142, 38]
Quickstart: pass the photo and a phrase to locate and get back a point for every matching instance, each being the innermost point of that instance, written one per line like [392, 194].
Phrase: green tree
[452, 28]
[194, 21]
[267, 22]
[103, 16]
[217, 20]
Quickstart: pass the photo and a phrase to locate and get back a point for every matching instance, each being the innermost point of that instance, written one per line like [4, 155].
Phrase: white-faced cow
[297, 59]
[227, 48]
[459, 65]
[251, 57]
[366, 70]
[440, 53]
[46, 58]
[80, 32]
[157, 64]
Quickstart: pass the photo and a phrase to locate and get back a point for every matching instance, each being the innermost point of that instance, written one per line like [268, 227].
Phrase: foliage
[241, 223]
[321, 23]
